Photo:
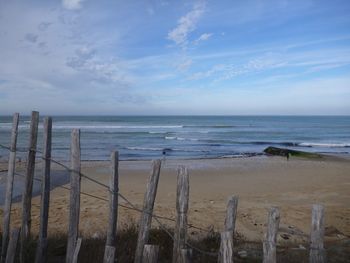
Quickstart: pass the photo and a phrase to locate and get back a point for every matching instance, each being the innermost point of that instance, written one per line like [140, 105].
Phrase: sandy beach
[260, 182]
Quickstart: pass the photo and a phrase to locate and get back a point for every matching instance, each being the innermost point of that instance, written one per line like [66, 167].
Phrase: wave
[299, 144]
[209, 126]
[221, 142]
[239, 155]
[146, 149]
[163, 149]
[180, 138]
[326, 145]
[190, 150]
[157, 132]
[290, 144]
[117, 127]
[125, 134]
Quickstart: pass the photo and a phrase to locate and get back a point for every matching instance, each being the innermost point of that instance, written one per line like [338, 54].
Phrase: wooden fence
[145, 253]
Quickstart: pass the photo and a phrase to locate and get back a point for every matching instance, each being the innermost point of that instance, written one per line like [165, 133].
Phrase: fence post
[317, 251]
[269, 244]
[76, 250]
[11, 250]
[226, 247]
[28, 185]
[113, 210]
[231, 214]
[9, 187]
[148, 204]
[182, 197]
[150, 254]
[109, 255]
[74, 203]
[186, 255]
[41, 253]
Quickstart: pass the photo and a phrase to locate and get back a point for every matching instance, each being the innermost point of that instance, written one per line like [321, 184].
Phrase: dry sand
[260, 182]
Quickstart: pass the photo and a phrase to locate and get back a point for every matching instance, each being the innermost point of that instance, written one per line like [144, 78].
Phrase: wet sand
[260, 182]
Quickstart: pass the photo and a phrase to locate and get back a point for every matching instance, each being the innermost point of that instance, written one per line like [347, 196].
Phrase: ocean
[149, 137]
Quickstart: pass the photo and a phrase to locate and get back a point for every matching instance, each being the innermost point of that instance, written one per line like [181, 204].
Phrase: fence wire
[130, 207]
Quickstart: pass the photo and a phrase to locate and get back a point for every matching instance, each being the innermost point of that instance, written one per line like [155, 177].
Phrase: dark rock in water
[278, 151]
[287, 152]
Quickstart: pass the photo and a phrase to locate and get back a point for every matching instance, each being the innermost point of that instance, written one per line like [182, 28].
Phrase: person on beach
[288, 155]
[164, 154]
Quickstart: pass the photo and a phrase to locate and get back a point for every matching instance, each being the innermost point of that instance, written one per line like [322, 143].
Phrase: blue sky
[175, 57]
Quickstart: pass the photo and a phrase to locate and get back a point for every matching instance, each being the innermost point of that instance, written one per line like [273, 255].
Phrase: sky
[158, 57]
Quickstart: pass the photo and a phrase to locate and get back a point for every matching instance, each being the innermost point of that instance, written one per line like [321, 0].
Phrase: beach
[260, 182]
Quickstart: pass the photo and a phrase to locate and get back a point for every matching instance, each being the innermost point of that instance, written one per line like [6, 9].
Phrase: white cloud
[72, 4]
[187, 24]
[203, 37]
[228, 71]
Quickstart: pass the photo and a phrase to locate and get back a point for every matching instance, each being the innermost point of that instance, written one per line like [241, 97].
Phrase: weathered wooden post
[146, 216]
[11, 250]
[317, 251]
[231, 214]
[28, 185]
[182, 197]
[76, 250]
[41, 253]
[150, 254]
[109, 254]
[269, 244]
[9, 187]
[230, 220]
[186, 255]
[226, 247]
[74, 204]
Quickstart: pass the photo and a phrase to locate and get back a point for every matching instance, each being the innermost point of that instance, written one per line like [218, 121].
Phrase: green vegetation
[287, 152]
[92, 249]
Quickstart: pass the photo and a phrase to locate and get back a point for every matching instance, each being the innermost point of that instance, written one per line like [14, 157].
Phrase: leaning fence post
[317, 251]
[150, 254]
[182, 197]
[28, 185]
[148, 204]
[186, 255]
[74, 204]
[9, 187]
[11, 250]
[226, 247]
[269, 244]
[41, 252]
[109, 254]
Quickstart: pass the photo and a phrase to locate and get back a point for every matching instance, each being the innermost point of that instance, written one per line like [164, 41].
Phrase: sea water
[148, 137]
